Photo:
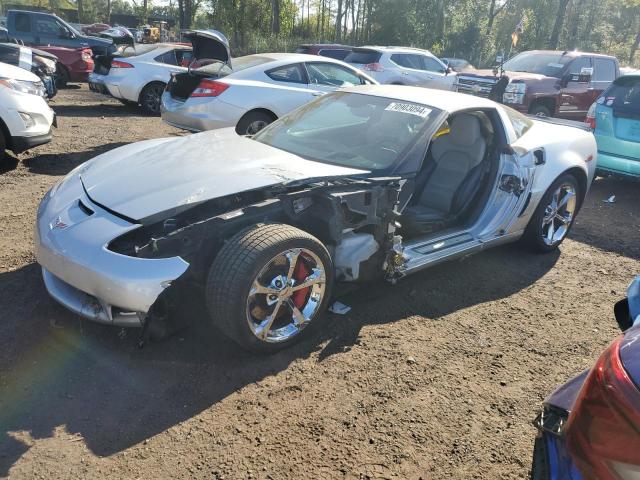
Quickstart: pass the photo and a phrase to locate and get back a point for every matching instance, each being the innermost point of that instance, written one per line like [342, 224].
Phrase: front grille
[480, 87]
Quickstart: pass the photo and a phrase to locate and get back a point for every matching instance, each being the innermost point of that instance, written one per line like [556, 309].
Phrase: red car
[74, 64]
[95, 28]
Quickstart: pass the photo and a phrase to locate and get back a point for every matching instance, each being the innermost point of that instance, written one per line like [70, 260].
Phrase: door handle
[317, 94]
[405, 73]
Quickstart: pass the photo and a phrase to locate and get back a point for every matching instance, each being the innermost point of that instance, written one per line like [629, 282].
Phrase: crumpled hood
[153, 176]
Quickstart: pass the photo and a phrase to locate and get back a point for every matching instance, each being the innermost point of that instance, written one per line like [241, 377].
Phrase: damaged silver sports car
[367, 183]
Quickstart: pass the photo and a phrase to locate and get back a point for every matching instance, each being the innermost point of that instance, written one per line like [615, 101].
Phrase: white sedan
[367, 183]
[140, 74]
[250, 92]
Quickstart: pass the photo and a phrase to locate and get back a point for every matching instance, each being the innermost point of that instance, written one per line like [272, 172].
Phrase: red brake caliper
[299, 274]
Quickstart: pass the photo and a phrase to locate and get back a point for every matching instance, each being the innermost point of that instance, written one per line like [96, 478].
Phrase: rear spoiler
[561, 121]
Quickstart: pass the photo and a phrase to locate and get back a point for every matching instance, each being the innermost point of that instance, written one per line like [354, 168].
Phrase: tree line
[473, 29]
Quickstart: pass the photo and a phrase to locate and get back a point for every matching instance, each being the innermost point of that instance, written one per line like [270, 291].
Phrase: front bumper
[199, 114]
[21, 143]
[71, 241]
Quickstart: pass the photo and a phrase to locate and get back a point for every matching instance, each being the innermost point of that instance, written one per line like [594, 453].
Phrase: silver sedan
[250, 92]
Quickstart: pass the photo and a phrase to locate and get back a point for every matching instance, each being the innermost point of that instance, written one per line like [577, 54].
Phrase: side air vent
[84, 208]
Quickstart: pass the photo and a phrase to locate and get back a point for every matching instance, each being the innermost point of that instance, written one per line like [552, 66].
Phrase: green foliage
[461, 28]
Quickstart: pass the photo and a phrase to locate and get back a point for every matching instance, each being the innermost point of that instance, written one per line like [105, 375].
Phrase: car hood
[209, 44]
[523, 76]
[147, 178]
[17, 73]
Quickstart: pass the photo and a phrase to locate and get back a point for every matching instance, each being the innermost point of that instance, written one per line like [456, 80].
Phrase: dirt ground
[437, 377]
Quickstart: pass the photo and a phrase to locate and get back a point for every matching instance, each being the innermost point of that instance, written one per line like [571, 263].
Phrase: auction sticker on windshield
[410, 108]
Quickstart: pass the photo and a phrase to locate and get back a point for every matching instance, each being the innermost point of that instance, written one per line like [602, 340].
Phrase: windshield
[550, 64]
[351, 130]
[71, 29]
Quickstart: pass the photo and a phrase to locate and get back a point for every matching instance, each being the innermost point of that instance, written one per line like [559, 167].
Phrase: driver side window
[49, 27]
[331, 75]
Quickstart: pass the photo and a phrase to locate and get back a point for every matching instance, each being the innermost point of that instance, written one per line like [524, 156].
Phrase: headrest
[465, 130]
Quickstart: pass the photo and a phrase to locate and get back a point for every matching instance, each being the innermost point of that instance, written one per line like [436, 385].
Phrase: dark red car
[95, 28]
[74, 64]
[546, 83]
[331, 50]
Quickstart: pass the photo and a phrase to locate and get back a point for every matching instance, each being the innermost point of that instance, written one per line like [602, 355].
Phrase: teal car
[615, 121]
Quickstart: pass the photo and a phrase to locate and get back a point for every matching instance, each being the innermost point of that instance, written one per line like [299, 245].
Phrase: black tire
[533, 235]
[252, 122]
[62, 76]
[540, 110]
[3, 146]
[540, 462]
[150, 98]
[234, 269]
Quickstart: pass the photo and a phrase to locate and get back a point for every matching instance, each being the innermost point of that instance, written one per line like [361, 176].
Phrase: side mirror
[448, 70]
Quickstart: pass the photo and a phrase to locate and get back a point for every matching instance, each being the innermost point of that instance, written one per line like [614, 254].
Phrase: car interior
[457, 176]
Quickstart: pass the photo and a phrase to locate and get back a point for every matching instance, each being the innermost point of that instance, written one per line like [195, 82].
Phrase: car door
[576, 92]
[326, 77]
[410, 70]
[437, 74]
[23, 27]
[604, 73]
[289, 88]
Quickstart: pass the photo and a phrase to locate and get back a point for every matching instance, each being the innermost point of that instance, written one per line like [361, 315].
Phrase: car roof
[572, 53]
[324, 45]
[296, 57]
[393, 49]
[440, 99]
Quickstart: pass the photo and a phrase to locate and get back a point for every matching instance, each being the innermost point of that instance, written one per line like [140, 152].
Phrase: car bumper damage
[72, 238]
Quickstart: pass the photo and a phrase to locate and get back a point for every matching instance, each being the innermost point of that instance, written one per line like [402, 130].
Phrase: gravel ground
[437, 377]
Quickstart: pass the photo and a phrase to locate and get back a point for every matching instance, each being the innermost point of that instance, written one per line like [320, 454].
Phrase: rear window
[363, 57]
[303, 50]
[336, 53]
[241, 63]
[623, 94]
[605, 70]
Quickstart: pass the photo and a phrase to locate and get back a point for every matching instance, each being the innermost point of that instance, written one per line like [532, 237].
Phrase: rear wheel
[252, 122]
[151, 96]
[540, 110]
[267, 285]
[3, 146]
[555, 215]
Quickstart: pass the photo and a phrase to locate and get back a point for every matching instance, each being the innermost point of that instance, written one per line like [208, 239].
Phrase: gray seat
[448, 185]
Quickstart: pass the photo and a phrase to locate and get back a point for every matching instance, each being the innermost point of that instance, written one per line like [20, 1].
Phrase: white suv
[403, 66]
[25, 116]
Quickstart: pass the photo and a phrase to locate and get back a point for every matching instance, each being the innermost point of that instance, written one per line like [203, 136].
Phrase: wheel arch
[583, 182]
[548, 102]
[151, 82]
[264, 110]
[8, 139]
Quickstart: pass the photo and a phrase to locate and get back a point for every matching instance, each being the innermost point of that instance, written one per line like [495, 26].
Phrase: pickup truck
[39, 28]
[545, 83]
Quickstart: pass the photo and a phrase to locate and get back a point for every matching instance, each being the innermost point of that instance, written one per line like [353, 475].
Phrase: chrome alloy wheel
[285, 295]
[559, 214]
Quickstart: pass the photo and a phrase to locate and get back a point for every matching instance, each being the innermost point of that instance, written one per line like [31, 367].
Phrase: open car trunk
[211, 59]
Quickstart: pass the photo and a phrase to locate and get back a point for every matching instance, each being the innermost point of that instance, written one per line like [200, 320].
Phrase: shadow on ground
[92, 379]
[607, 226]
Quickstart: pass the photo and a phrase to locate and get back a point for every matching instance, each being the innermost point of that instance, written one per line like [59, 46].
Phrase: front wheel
[151, 97]
[269, 284]
[540, 110]
[555, 215]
